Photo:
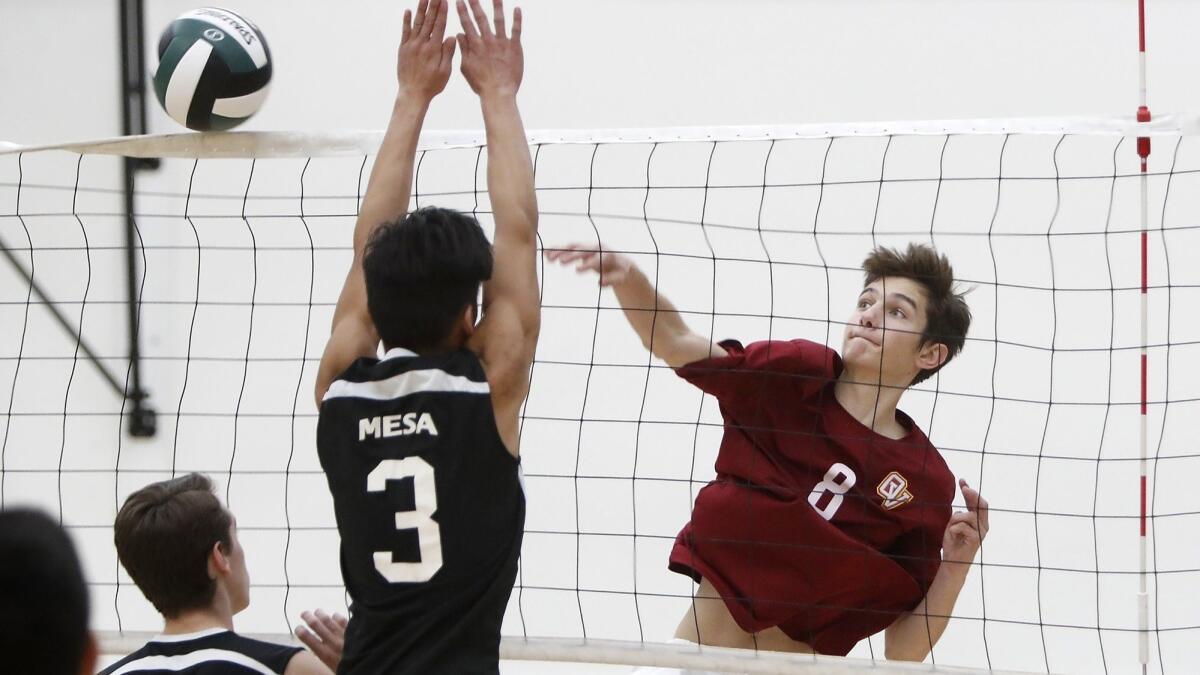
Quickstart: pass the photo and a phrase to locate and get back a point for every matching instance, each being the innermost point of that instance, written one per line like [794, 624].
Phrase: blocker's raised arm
[423, 66]
[493, 63]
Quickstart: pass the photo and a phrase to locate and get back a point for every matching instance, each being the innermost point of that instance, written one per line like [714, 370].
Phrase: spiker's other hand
[966, 529]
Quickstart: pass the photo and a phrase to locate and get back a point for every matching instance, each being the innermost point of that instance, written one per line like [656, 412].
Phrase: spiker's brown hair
[164, 533]
[947, 316]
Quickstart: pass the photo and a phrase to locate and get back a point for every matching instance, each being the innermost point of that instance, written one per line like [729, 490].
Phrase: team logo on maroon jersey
[894, 491]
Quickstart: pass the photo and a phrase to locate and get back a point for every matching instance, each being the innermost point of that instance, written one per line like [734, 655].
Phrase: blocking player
[420, 446]
[830, 516]
[181, 548]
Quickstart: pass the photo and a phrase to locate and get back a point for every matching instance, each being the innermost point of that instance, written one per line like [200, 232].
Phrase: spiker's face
[882, 340]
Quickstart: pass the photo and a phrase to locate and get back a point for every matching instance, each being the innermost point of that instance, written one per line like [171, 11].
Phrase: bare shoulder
[305, 663]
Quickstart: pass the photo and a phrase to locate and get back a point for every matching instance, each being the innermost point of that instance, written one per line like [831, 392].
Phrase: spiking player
[420, 447]
[830, 516]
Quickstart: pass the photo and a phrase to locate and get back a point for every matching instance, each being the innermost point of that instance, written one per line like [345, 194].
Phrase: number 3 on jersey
[833, 486]
[429, 535]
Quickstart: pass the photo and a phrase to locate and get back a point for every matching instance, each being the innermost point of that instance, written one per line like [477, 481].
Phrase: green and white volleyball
[213, 70]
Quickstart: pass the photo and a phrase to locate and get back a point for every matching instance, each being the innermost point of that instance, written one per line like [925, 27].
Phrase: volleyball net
[243, 241]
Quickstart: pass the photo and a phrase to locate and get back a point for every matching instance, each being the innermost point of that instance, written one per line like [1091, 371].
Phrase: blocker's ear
[932, 355]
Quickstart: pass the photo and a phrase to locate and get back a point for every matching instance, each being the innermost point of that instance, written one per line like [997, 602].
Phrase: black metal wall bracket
[142, 420]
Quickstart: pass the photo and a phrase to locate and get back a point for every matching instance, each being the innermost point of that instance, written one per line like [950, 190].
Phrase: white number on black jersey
[429, 534]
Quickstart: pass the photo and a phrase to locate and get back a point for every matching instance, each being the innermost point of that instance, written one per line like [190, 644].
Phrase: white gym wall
[636, 63]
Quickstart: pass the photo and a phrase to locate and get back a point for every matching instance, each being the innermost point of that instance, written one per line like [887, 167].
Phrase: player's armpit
[505, 342]
[304, 663]
[353, 337]
[513, 293]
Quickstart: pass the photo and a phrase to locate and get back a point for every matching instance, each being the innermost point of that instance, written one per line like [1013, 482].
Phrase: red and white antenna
[1143, 150]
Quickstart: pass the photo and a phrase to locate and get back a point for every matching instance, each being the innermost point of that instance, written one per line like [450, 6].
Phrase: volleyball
[213, 69]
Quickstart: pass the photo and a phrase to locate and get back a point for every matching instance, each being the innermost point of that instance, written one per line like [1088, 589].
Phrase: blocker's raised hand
[426, 54]
[493, 62]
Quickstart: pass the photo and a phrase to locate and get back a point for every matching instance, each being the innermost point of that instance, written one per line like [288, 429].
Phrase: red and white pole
[1143, 150]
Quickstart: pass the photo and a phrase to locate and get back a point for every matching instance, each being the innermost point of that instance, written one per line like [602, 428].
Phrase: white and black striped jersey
[430, 510]
[211, 652]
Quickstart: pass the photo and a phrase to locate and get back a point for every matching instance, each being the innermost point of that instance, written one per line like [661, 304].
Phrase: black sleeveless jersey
[430, 510]
[210, 652]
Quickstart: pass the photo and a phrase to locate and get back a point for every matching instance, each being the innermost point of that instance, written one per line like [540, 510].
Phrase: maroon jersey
[815, 523]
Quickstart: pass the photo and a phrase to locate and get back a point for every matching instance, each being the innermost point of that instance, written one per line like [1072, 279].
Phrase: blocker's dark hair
[43, 597]
[947, 316]
[164, 533]
[421, 272]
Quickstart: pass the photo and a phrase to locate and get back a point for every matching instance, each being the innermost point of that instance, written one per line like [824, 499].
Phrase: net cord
[250, 144]
[620, 653]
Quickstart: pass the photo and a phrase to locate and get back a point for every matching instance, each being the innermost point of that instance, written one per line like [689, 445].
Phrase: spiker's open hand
[613, 268]
[426, 54]
[493, 62]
